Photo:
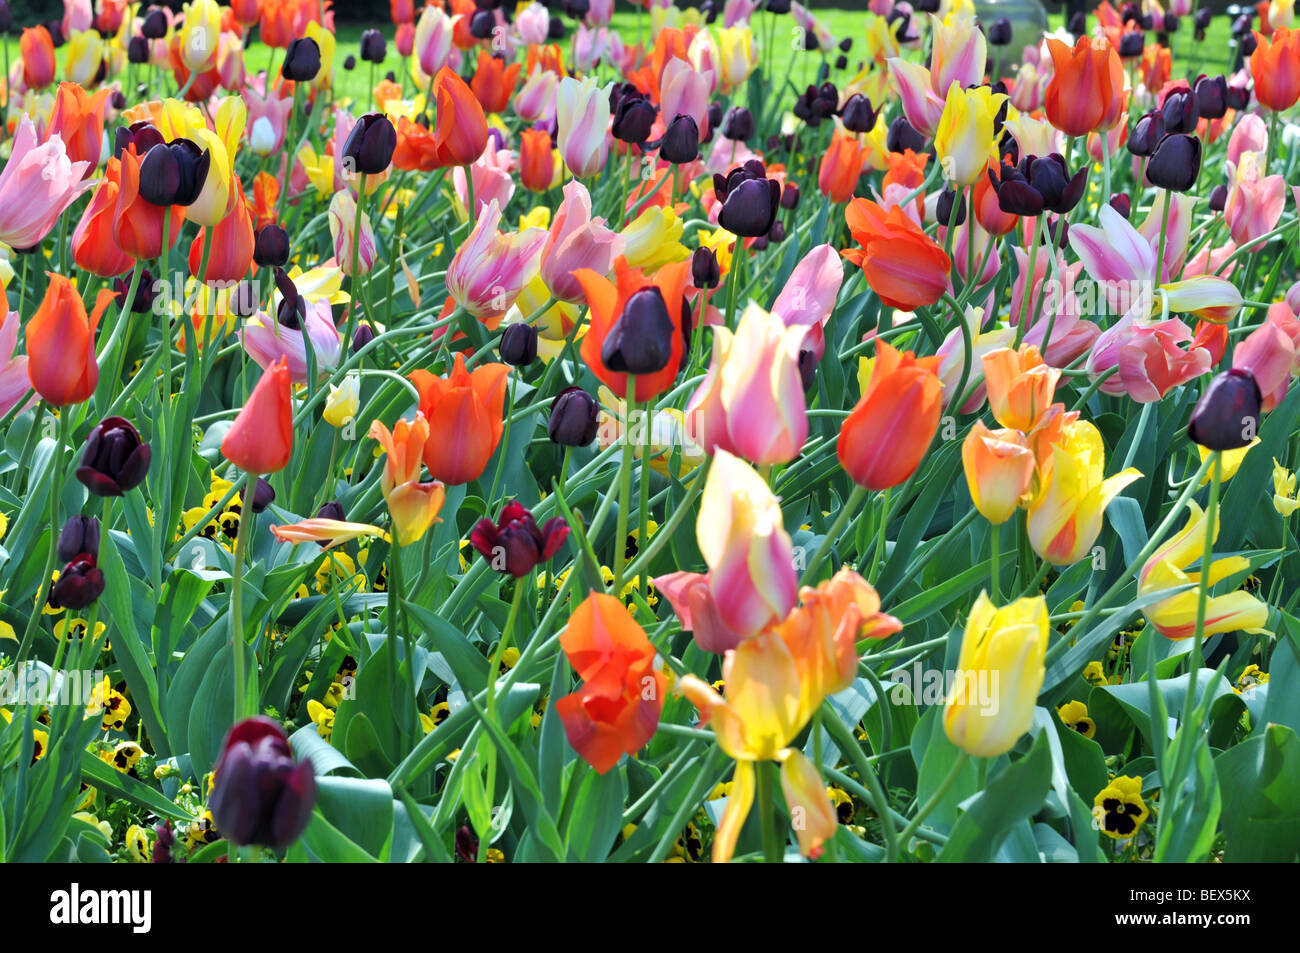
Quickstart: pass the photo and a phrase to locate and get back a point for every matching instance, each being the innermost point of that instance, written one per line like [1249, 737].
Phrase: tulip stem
[55, 484]
[841, 520]
[849, 747]
[355, 287]
[1023, 317]
[936, 796]
[237, 643]
[494, 672]
[772, 846]
[624, 488]
[995, 549]
[1194, 660]
[1164, 231]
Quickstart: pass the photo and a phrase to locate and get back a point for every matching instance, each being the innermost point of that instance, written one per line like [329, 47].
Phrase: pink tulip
[921, 104]
[576, 240]
[267, 341]
[343, 224]
[535, 101]
[684, 91]
[599, 13]
[14, 382]
[78, 16]
[273, 114]
[1115, 254]
[1208, 261]
[751, 402]
[1177, 233]
[1250, 134]
[531, 24]
[809, 295]
[493, 181]
[985, 256]
[1270, 353]
[432, 40]
[490, 269]
[38, 183]
[738, 12]
[1254, 204]
[582, 124]
[1149, 358]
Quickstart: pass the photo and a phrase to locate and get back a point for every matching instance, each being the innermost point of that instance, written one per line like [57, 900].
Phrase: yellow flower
[137, 843]
[999, 674]
[1118, 810]
[319, 169]
[1175, 617]
[965, 140]
[229, 121]
[539, 217]
[735, 55]
[322, 718]
[1231, 462]
[84, 57]
[325, 40]
[343, 401]
[720, 242]
[1074, 714]
[1250, 676]
[1285, 499]
[653, 239]
[199, 34]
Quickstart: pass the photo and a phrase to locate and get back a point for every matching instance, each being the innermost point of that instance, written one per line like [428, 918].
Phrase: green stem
[938, 795]
[773, 849]
[841, 520]
[237, 642]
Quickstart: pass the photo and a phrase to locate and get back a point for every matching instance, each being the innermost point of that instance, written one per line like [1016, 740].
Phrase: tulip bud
[481, 25]
[1218, 197]
[80, 584]
[1000, 32]
[681, 143]
[1131, 44]
[363, 336]
[738, 124]
[749, 200]
[292, 309]
[333, 510]
[263, 496]
[142, 303]
[80, 534]
[154, 26]
[705, 273]
[518, 345]
[369, 147]
[902, 136]
[1203, 17]
[173, 173]
[1181, 112]
[1122, 203]
[858, 116]
[301, 60]
[1175, 163]
[515, 543]
[137, 50]
[1212, 97]
[243, 300]
[349, 62]
[1227, 415]
[1147, 133]
[271, 247]
[260, 795]
[943, 208]
[790, 196]
[374, 48]
[573, 421]
[807, 368]
[640, 342]
[114, 460]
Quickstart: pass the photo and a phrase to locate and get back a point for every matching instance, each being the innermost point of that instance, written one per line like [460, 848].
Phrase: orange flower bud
[261, 438]
[464, 410]
[61, 344]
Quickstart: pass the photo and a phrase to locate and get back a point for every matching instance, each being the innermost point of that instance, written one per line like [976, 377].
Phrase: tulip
[80, 534]
[464, 411]
[574, 419]
[653, 239]
[78, 119]
[539, 164]
[174, 173]
[1254, 203]
[1270, 354]
[200, 32]
[1149, 357]
[751, 581]
[1020, 386]
[681, 141]
[841, 167]
[261, 438]
[61, 344]
[582, 116]
[343, 224]
[115, 459]
[965, 137]
[1208, 297]
[515, 544]
[37, 50]
[608, 305]
[1176, 163]
[494, 82]
[706, 274]
[575, 241]
[14, 382]
[634, 116]
[999, 673]
[1086, 92]
[231, 252]
[811, 813]
[413, 505]
[490, 269]
[1065, 515]
[809, 295]
[616, 709]
[93, 246]
[1175, 617]
[80, 584]
[269, 341]
[302, 60]
[368, 149]
[1038, 183]
[326, 532]
[749, 200]
[460, 133]
[1273, 65]
[952, 359]
[999, 470]
[432, 41]
[1227, 415]
[259, 794]
[751, 403]
[903, 266]
[37, 185]
[518, 345]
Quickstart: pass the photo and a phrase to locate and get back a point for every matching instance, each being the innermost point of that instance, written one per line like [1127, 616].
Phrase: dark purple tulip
[681, 142]
[1122, 203]
[1000, 32]
[1212, 97]
[244, 302]
[143, 135]
[738, 124]
[373, 46]
[174, 173]
[858, 116]
[518, 345]
[1227, 415]
[137, 50]
[514, 544]
[1171, 24]
[1078, 24]
[260, 795]
[1218, 198]
[574, 418]
[790, 196]
[349, 62]
[634, 115]
[903, 136]
[481, 25]
[301, 60]
[641, 339]
[154, 26]
[1131, 44]
[705, 273]
[142, 303]
[333, 510]
[1237, 96]
[466, 845]
[369, 146]
[271, 246]
[943, 209]
[291, 312]
[1147, 133]
[363, 336]
[80, 534]
[1203, 17]
[807, 368]
[1175, 163]
[114, 460]
[1181, 111]
[80, 583]
[749, 200]
[263, 495]
[6, 16]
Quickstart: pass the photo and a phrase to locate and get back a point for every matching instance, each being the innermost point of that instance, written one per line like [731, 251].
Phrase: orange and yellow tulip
[1086, 92]
[412, 505]
[904, 266]
[1020, 386]
[1275, 67]
[999, 470]
[78, 119]
[93, 246]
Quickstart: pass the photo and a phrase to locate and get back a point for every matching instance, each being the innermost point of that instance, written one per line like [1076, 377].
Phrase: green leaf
[1260, 781]
[1016, 794]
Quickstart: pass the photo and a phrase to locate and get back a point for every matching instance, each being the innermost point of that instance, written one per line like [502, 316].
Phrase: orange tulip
[903, 265]
[1275, 66]
[93, 246]
[460, 134]
[607, 301]
[246, 12]
[261, 438]
[412, 505]
[137, 224]
[1086, 93]
[78, 118]
[61, 344]
[266, 190]
[37, 49]
[232, 243]
[417, 149]
[1156, 66]
[464, 410]
[494, 82]
[999, 470]
[616, 709]
[885, 436]
[1020, 386]
[537, 164]
[988, 213]
[841, 167]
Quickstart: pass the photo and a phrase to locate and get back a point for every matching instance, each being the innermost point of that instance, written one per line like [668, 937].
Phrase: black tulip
[1172, 23]
[749, 200]
[271, 246]
[640, 342]
[681, 142]
[80, 584]
[902, 136]
[807, 368]
[790, 196]
[263, 496]
[301, 60]
[333, 510]
[1078, 24]
[154, 26]
[481, 25]
[349, 62]
[846, 44]
[1203, 17]
[142, 303]
[518, 346]
[634, 116]
[1227, 415]
[1121, 203]
[1131, 44]
[291, 312]
[1147, 133]
[1237, 97]
[173, 173]
[738, 124]
[1248, 45]
[80, 534]
[374, 48]
[574, 418]
[1000, 32]
[778, 6]
[244, 301]
[705, 273]
[137, 50]
[1176, 163]
[6, 17]
[857, 115]
[943, 209]
[1218, 197]
[1181, 112]
[369, 146]
[777, 232]
[114, 459]
[363, 336]
[260, 795]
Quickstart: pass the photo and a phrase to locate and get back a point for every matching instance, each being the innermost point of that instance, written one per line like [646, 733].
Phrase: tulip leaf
[104, 776]
[594, 815]
[1260, 781]
[1011, 797]
[1190, 805]
[360, 808]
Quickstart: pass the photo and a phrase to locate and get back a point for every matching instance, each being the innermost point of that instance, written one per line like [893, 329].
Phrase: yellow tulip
[1175, 617]
[214, 201]
[1284, 493]
[735, 55]
[1208, 297]
[84, 57]
[230, 119]
[199, 35]
[343, 401]
[177, 119]
[325, 40]
[811, 814]
[1231, 462]
[965, 140]
[999, 674]
[653, 239]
